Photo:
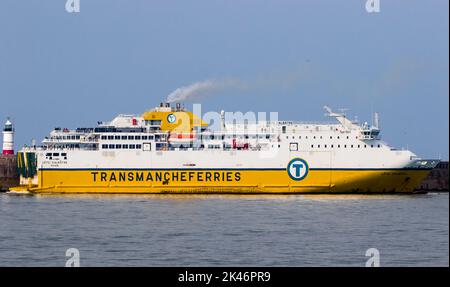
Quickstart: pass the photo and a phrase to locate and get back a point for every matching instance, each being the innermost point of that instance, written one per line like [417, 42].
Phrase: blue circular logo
[171, 118]
[297, 169]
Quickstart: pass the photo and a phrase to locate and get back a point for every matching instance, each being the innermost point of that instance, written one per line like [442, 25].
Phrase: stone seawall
[8, 172]
[437, 179]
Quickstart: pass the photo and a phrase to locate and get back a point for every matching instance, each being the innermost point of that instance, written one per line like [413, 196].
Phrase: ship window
[118, 146]
[267, 136]
[314, 137]
[124, 137]
[351, 146]
[138, 146]
[283, 129]
[331, 146]
[379, 145]
[371, 145]
[104, 146]
[365, 146]
[117, 137]
[110, 137]
[331, 137]
[131, 137]
[293, 147]
[359, 146]
[325, 146]
[318, 145]
[338, 137]
[137, 137]
[345, 145]
[111, 146]
[64, 154]
[306, 137]
[320, 136]
[150, 137]
[48, 154]
[144, 137]
[56, 154]
[339, 145]
[347, 137]
[132, 146]
[125, 146]
[78, 137]
[312, 146]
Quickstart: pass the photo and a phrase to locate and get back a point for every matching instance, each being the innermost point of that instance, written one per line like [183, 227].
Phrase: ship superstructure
[169, 149]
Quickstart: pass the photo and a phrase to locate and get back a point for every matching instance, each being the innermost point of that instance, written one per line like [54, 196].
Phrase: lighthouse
[8, 138]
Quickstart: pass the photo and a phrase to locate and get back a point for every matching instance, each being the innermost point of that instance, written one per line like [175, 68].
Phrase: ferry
[169, 149]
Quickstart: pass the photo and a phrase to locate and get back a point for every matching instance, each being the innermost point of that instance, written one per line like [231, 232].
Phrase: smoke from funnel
[199, 89]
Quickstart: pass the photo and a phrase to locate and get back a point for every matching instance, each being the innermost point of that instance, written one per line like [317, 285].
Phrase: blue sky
[125, 56]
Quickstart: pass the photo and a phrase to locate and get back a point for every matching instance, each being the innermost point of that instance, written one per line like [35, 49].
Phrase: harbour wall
[8, 172]
[437, 179]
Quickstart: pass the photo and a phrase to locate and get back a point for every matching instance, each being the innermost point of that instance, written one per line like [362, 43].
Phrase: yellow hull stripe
[227, 181]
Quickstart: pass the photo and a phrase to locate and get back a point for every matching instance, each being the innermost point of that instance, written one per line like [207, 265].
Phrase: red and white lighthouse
[8, 138]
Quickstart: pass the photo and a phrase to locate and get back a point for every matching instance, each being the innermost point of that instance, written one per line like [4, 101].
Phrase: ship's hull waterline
[226, 181]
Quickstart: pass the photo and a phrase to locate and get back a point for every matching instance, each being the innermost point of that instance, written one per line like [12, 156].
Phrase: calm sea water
[224, 230]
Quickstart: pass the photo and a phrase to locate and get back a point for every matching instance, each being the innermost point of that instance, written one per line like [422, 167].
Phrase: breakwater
[437, 179]
[8, 172]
